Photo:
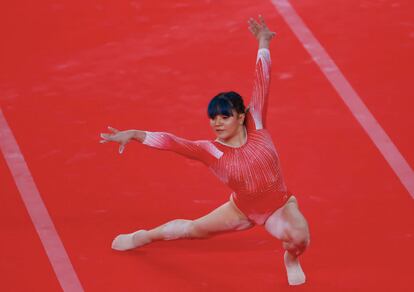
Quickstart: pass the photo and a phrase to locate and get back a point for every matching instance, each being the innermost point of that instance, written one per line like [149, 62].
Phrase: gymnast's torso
[254, 173]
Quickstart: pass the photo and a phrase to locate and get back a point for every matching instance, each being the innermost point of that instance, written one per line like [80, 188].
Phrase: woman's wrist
[264, 43]
[264, 40]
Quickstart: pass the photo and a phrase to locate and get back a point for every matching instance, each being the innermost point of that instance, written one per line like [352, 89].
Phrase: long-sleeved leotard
[252, 170]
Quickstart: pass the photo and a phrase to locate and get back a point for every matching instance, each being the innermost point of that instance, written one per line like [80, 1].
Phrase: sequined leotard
[252, 170]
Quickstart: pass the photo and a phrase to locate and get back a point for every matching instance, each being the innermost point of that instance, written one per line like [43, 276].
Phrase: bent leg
[223, 219]
[289, 225]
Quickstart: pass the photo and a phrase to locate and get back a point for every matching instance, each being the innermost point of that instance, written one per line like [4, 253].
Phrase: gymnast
[244, 158]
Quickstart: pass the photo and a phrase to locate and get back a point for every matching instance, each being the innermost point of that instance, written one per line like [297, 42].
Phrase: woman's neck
[238, 140]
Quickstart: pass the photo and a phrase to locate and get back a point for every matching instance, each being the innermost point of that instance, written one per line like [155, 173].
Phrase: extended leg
[289, 225]
[224, 218]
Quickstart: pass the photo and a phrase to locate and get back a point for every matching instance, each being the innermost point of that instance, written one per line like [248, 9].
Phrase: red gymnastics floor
[71, 68]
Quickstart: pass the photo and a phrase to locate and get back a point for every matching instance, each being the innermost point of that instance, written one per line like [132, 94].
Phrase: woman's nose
[217, 121]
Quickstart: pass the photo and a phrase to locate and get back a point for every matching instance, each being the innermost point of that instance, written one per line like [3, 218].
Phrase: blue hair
[224, 103]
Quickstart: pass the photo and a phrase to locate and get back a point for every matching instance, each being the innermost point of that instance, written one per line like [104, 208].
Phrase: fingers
[121, 149]
[106, 137]
[113, 129]
[259, 28]
[252, 30]
[253, 24]
[110, 137]
[254, 27]
[261, 19]
[264, 26]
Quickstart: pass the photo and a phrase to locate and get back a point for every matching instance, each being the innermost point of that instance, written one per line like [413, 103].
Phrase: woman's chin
[222, 137]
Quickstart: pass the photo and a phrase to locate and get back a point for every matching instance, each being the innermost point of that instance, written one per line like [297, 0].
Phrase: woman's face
[227, 127]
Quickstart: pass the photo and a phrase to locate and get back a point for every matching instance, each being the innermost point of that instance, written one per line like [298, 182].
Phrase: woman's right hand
[261, 31]
[121, 137]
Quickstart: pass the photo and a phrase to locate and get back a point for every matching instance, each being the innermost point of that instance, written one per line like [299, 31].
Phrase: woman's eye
[225, 117]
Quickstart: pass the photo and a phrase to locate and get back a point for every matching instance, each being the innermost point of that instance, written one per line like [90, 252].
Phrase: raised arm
[204, 151]
[258, 103]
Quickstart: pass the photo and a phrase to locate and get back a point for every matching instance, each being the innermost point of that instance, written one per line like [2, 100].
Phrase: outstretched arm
[258, 103]
[203, 151]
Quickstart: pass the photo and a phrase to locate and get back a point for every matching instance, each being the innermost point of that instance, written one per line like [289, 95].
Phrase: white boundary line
[42, 222]
[359, 110]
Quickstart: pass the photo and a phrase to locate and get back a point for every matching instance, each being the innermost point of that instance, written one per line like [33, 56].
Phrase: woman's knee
[299, 240]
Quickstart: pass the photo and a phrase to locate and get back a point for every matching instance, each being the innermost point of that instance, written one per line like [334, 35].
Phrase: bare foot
[130, 241]
[295, 274]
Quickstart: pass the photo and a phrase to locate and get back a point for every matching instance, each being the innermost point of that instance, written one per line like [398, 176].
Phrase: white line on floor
[42, 222]
[355, 104]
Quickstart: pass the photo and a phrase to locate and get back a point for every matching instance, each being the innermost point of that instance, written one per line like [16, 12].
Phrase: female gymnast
[243, 157]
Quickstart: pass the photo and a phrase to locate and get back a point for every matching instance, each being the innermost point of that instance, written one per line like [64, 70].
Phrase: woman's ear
[241, 118]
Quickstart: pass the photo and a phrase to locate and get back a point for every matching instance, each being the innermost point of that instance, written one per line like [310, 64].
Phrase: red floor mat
[70, 69]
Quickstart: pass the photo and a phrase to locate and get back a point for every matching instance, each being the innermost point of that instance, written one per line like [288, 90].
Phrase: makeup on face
[227, 127]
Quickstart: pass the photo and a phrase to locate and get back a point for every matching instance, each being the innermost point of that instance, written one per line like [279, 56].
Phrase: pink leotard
[252, 170]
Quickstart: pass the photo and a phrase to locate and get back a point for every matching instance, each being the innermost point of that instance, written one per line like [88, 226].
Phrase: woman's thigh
[225, 218]
[287, 222]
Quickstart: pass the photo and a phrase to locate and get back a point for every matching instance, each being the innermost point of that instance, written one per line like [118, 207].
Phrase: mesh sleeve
[258, 103]
[202, 150]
